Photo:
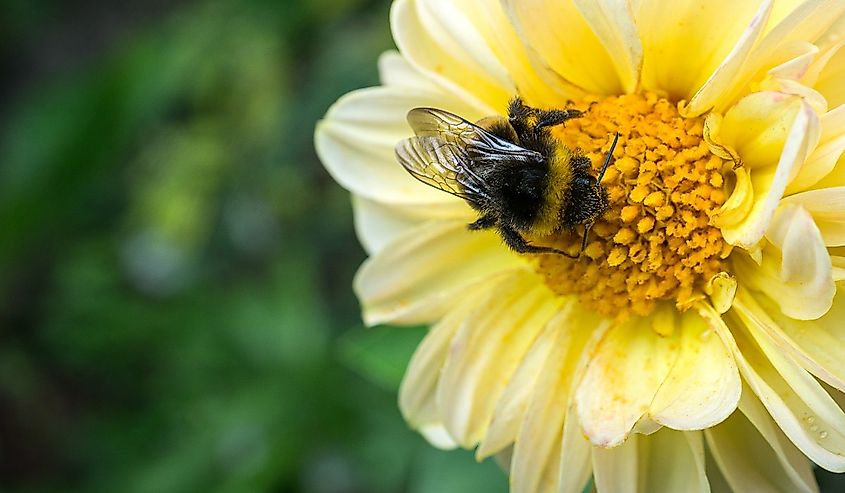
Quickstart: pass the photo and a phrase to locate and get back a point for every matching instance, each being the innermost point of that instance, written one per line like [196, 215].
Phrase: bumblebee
[511, 170]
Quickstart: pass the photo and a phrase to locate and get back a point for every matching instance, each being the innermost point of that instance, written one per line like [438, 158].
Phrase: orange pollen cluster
[655, 242]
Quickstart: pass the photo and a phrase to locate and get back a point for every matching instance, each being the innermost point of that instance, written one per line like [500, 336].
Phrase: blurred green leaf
[456, 472]
[380, 354]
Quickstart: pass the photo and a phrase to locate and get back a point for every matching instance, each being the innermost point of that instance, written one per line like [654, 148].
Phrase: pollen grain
[655, 242]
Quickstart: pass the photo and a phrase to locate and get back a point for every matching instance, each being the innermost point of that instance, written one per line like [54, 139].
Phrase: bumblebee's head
[588, 201]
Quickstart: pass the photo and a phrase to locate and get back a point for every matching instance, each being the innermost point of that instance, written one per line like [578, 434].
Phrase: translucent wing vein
[450, 154]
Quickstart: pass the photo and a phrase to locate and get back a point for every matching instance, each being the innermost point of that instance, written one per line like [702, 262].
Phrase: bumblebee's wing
[448, 151]
[432, 162]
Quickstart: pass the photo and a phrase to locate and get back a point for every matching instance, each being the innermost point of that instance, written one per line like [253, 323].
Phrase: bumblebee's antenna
[589, 225]
[607, 159]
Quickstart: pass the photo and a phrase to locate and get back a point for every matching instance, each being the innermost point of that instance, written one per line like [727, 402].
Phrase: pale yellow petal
[576, 464]
[538, 441]
[437, 436]
[721, 289]
[834, 35]
[714, 321]
[616, 470]
[818, 345]
[536, 82]
[548, 478]
[613, 23]
[378, 224]
[836, 178]
[378, 115]
[786, 455]
[503, 458]
[698, 465]
[790, 22]
[799, 55]
[709, 94]
[671, 461]
[621, 380]
[758, 459]
[395, 71]
[684, 45]
[824, 157]
[797, 402]
[565, 41]
[511, 407]
[418, 389]
[758, 127]
[810, 96]
[829, 81]
[418, 276]
[718, 483]
[665, 462]
[739, 204]
[796, 270]
[781, 11]
[827, 208]
[804, 258]
[772, 133]
[703, 386]
[838, 269]
[437, 47]
[795, 464]
[356, 140]
[789, 76]
[454, 31]
[647, 426]
[711, 134]
[487, 350]
[837, 395]
[826, 52]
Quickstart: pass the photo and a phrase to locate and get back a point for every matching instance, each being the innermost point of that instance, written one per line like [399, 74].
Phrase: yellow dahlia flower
[700, 339]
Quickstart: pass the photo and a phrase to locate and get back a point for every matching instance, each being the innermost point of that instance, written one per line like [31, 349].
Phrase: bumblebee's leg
[519, 115]
[550, 118]
[518, 110]
[586, 235]
[483, 222]
[519, 245]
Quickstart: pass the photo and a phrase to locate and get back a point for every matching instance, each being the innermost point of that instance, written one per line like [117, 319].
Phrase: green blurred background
[176, 311]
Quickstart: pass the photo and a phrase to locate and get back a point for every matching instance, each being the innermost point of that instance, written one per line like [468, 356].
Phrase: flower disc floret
[656, 241]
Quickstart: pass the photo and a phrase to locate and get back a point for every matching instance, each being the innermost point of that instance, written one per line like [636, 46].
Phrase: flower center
[655, 242]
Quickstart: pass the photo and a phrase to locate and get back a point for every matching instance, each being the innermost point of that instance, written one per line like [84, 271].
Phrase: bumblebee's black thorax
[519, 187]
[520, 193]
